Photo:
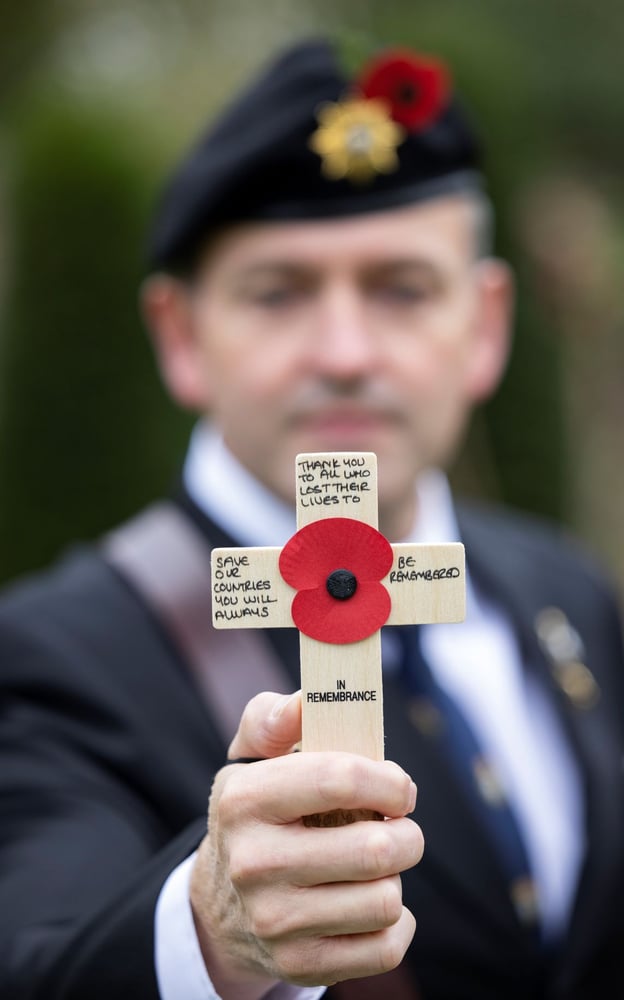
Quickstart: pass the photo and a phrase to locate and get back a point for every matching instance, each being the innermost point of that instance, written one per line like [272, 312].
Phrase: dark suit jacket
[107, 756]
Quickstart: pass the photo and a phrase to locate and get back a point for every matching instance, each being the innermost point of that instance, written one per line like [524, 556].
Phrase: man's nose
[344, 345]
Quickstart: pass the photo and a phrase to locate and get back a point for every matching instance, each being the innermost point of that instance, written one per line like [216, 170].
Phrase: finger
[270, 725]
[327, 960]
[328, 910]
[289, 787]
[300, 857]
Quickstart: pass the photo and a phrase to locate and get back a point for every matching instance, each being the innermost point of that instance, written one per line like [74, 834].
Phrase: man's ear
[491, 342]
[168, 316]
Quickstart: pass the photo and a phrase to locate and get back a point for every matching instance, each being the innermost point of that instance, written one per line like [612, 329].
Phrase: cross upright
[338, 580]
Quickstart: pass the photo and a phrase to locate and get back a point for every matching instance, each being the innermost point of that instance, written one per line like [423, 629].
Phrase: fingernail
[412, 799]
[280, 705]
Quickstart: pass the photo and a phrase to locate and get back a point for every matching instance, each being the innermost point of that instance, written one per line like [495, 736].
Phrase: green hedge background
[99, 100]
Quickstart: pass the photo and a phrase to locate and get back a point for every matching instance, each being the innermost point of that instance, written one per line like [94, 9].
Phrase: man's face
[358, 334]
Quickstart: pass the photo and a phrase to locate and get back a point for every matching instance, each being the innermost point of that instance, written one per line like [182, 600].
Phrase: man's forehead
[432, 230]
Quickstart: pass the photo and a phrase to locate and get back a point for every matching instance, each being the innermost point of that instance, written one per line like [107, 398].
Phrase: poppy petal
[321, 617]
[333, 543]
[416, 87]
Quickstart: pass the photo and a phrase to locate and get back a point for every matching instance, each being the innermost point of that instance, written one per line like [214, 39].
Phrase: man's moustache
[364, 403]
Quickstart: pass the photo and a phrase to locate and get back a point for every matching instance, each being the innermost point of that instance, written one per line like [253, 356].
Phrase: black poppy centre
[406, 92]
[341, 584]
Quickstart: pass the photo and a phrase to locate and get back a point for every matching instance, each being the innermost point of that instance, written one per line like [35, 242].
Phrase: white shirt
[477, 662]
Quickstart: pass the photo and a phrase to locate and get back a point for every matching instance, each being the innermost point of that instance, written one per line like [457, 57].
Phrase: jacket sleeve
[92, 818]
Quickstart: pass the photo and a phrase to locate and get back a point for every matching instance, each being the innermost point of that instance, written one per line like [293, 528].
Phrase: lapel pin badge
[565, 652]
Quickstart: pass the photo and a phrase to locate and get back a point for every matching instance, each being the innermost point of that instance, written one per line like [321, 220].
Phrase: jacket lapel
[511, 575]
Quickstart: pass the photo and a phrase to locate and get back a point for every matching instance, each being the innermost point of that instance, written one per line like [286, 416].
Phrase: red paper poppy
[318, 553]
[416, 88]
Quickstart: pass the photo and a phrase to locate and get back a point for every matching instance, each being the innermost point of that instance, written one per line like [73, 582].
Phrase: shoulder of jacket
[532, 537]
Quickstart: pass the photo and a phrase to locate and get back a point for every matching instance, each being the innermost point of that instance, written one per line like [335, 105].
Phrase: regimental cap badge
[356, 139]
[396, 94]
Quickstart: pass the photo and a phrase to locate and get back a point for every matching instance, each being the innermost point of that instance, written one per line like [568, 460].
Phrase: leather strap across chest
[165, 558]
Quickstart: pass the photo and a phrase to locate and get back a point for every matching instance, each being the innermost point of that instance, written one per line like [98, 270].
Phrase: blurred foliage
[26, 30]
[85, 430]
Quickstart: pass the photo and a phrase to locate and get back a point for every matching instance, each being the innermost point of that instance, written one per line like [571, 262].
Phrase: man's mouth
[346, 422]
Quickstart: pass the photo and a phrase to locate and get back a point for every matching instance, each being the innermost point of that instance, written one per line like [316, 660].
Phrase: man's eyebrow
[423, 264]
[413, 269]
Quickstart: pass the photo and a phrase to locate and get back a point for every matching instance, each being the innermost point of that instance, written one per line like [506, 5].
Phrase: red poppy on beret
[417, 88]
[336, 566]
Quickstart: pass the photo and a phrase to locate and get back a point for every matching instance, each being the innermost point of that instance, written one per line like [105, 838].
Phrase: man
[318, 282]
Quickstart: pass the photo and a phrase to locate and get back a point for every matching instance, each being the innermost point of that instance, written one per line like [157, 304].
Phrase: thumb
[270, 726]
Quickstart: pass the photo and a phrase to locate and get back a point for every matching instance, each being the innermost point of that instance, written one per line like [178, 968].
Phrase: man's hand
[276, 900]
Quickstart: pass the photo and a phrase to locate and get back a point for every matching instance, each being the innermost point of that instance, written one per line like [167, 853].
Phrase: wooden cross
[342, 698]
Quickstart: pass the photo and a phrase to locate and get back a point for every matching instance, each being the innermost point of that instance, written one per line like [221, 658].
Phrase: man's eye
[406, 294]
[275, 297]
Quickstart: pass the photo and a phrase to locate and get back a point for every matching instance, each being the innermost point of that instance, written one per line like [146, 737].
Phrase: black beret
[264, 158]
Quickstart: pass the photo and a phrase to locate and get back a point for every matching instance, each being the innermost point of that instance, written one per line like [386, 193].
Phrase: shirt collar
[224, 490]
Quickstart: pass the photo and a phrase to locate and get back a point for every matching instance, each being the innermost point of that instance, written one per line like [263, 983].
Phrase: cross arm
[427, 584]
[248, 590]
